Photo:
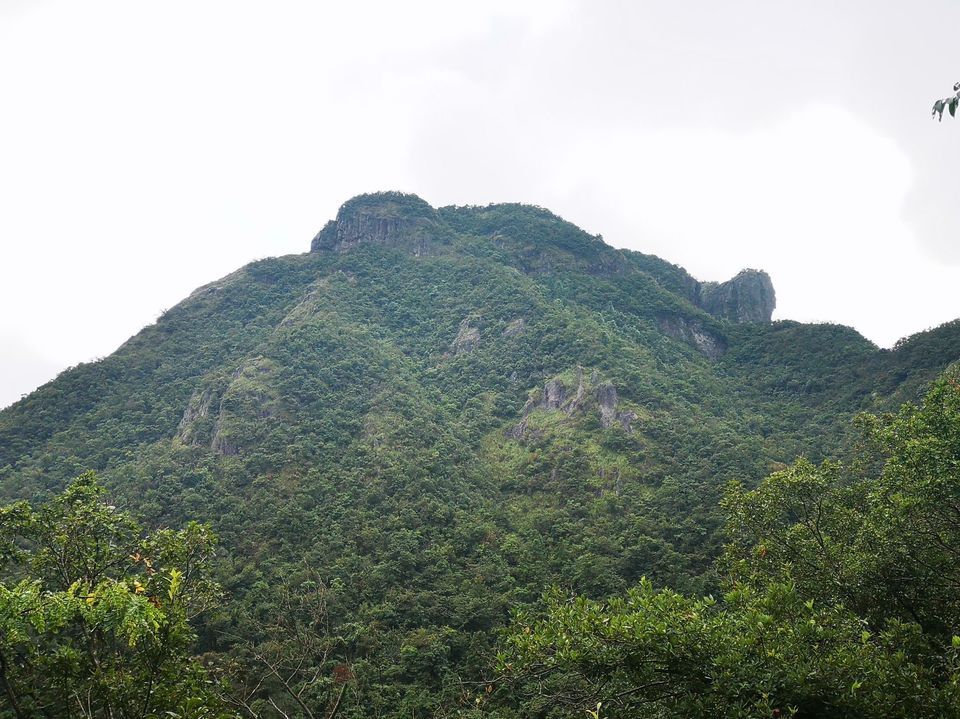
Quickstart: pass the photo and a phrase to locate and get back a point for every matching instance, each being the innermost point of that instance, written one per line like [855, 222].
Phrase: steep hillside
[437, 413]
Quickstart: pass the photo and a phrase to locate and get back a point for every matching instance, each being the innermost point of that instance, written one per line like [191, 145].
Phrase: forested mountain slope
[437, 413]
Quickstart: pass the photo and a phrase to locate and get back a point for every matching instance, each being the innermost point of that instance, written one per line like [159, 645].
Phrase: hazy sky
[148, 148]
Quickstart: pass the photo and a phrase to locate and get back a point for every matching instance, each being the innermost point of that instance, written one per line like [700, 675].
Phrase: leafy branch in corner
[947, 103]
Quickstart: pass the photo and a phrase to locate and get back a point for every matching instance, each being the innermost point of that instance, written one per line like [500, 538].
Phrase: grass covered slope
[435, 414]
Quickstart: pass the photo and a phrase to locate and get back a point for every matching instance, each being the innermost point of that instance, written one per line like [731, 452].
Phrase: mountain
[437, 413]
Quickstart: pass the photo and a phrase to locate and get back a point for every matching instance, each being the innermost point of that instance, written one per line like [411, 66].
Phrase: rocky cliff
[381, 218]
[748, 297]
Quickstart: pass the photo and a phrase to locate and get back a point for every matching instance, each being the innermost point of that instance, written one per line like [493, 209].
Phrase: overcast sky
[149, 148]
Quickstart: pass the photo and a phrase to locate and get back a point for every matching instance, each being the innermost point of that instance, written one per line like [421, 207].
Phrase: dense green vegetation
[409, 432]
[94, 612]
[839, 598]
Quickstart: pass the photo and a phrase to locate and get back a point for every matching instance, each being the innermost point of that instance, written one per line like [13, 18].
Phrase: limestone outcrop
[748, 297]
[382, 218]
[693, 332]
[582, 397]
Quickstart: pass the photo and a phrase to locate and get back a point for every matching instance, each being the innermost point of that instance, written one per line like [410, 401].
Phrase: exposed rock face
[557, 397]
[221, 445]
[748, 297]
[226, 408]
[383, 218]
[607, 404]
[694, 334]
[626, 419]
[197, 410]
[554, 395]
[518, 430]
[515, 327]
[467, 338]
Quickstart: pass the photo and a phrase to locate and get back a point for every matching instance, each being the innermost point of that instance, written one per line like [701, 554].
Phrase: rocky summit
[408, 222]
[748, 297]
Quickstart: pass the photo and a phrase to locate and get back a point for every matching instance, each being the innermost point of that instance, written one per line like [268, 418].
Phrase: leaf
[176, 578]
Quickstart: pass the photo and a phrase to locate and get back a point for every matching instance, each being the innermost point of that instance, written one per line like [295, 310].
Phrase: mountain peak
[386, 204]
[381, 218]
[747, 297]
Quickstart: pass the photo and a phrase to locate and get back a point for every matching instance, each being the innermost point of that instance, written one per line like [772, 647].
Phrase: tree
[95, 611]
[947, 103]
[841, 598]
[294, 664]
[880, 534]
[752, 653]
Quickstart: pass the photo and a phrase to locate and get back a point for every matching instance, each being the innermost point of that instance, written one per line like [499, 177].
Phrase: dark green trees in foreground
[841, 599]
[95, 612]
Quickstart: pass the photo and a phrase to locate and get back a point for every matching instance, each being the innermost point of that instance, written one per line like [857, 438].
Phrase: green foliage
[94, 612]
[754, 653]
[840, 599]
[947, 103]
[879, 534]
[388, 204]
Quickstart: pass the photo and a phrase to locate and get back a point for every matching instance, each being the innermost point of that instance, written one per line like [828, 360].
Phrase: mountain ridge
[406, 220]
